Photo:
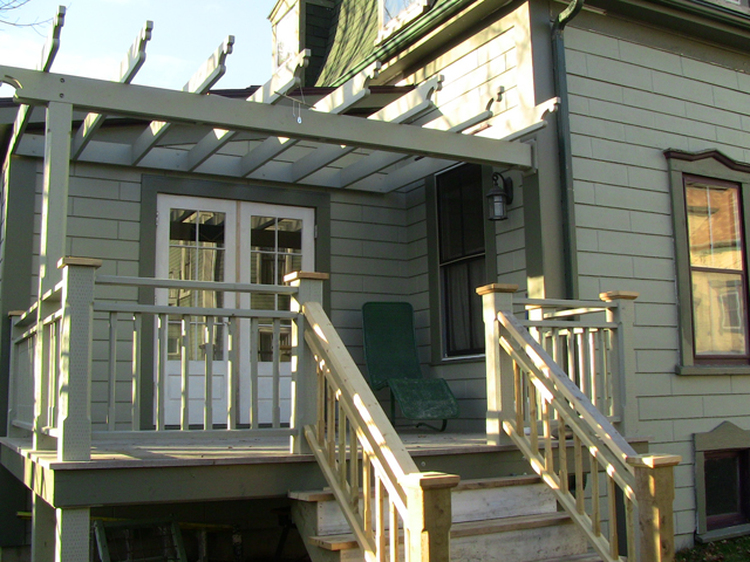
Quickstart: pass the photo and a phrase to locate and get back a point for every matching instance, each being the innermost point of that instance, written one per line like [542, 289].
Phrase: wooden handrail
[605, 483]
[362, 456]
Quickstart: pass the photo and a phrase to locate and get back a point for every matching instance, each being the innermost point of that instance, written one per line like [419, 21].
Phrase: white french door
[230, 241]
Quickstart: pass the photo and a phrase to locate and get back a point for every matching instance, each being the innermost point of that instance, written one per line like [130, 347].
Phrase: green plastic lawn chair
[391, 357]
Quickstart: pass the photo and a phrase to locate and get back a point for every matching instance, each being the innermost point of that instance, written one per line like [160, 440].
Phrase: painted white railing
[385, 498]
[622, 501]
[108, 366]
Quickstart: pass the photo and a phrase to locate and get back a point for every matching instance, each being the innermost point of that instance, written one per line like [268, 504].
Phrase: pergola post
[499, 365]
[304, 373]
[72, 531]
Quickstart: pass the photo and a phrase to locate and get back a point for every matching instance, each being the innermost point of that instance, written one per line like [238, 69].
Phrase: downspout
[564, 149]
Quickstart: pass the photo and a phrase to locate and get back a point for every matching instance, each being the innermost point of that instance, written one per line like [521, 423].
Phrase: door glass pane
[276, 250]
[196, 253]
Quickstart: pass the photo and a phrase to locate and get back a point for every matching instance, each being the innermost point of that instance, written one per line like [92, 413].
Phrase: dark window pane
[722, 485]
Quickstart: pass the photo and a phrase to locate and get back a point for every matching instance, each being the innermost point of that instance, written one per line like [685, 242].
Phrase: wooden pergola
[191, 130]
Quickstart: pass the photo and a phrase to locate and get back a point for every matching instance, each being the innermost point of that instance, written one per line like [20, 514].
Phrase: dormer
[301, 24]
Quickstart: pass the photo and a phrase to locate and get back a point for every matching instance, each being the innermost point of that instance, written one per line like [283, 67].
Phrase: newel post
[654, 492]
[499, 365]
[428, 497]
[74, 383]
[304, 372]
[624, 317]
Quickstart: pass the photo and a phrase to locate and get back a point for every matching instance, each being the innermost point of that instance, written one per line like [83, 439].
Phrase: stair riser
[525, 545]
[466, 504]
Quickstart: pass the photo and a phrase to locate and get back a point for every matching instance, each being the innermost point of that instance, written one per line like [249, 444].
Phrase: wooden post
[72, 531]
[624, 316]
[654, 492]
[429, 519]
[304, 373]
[74, 414]
[499, 366]
[42, 530]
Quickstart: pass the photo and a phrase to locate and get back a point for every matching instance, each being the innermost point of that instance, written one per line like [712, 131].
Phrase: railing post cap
[81, 262]
[654, 461]
[13, 313]
[299, 275]
[433, 480]
[610, 296]
[497, 288]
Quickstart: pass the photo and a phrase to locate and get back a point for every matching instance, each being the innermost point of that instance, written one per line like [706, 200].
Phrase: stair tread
[473, 484]
[585, 557]
[465, 529]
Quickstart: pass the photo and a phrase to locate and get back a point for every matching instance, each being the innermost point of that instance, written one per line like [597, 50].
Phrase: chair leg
[393, 409]
[440, 429]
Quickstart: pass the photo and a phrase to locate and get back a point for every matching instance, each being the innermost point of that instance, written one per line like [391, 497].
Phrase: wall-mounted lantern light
[500, 197]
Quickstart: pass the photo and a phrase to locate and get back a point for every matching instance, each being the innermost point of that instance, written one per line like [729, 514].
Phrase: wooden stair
[509, 518]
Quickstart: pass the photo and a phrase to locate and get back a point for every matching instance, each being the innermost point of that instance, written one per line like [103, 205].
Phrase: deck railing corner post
[499, 366]
[624, 316]
[304, 373]
[654, 492]
[75, 349]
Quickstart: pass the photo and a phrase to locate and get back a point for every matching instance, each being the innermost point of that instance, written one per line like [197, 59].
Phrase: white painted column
[42, 531]
[499, 365]
[55, 193]
[304, 372]
[72, 531]
[74, 412]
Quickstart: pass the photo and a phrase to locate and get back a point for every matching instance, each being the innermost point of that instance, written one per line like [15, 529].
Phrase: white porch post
[500, 392]
[304, 373]
[74, 415]
[72, 531]
[42, 530]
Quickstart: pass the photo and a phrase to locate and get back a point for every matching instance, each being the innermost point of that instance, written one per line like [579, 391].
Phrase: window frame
[401, 19]
[725, 440]
[712, 165]
[438, 322]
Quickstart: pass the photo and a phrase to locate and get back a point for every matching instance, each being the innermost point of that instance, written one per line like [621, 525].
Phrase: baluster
[185, 372]
[353, 469]
[135, 406]
[533, 416]
[380, 535]
[254, 399]
[208, 378]
[596, 516]
[331, 424]
[571, 349]
[233, 373]
[519, 398]
[547, 426]
[590, 358]
[581, 363]
[393, 522]
[276, 403]
[630, 526]
[161, 387]
[562, 448]
[112, 371]
[614, 546]
[367, 493]
[342, 446]
[578, 452]
[321, 407]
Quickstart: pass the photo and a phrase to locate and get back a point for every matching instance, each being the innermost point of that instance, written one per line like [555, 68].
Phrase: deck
[195, 467]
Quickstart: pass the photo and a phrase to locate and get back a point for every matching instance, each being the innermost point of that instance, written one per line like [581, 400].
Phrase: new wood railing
[622, 501]
[385, 498]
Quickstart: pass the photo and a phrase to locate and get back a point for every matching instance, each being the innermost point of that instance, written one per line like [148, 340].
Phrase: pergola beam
[338, 101]
[286, 77]
[181, 107]
[129, 67]
[202, 81]
[407, 107]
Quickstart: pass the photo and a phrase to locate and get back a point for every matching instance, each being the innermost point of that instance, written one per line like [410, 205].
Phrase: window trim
[715, 165]
[728, 438]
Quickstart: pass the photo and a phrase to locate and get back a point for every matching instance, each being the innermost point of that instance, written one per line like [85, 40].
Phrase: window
[396, 13]
[717, 268]
[722, 482]
[461, 225]
[710, 196]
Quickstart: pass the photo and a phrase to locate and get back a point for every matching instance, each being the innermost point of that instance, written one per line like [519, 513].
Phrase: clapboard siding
[629, 102]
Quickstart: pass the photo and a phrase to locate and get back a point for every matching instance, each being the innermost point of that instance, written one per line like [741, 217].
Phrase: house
[155, 366]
